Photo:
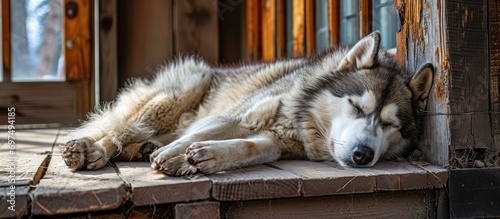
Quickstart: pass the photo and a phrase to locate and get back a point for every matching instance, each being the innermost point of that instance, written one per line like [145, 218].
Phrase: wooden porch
[288, 189]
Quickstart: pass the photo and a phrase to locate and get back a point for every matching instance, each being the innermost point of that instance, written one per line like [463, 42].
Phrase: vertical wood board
[269, 29]
[196, 29]
[467, 44]
[298, 28]
[494, 52]
[108, 50]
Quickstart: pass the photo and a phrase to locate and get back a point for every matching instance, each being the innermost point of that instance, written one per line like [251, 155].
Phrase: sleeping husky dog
[353, 106]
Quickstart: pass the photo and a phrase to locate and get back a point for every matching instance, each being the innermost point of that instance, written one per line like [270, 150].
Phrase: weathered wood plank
[108, 50]
[255, 182]
[62, 191]
[151, 187]
[322, 179]
[409, 204]
[396, 176]
[13, 201]
[31, 153]
[195, 28]
[269, 30]
[201, 210]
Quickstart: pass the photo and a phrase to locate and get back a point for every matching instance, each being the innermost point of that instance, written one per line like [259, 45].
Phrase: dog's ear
[421, 84]
[363, 54]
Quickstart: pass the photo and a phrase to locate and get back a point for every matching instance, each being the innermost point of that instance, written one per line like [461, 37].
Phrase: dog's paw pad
[78, 154]
[175, 166]
[73, 153]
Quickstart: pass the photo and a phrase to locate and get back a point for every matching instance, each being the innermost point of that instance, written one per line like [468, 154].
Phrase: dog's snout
[363, 155]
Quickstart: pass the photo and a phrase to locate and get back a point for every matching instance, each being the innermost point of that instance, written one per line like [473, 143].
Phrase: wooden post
[454, 37]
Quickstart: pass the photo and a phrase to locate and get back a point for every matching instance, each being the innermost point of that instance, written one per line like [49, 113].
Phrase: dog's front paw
[203, 157]
[172, 166]
[79, 154]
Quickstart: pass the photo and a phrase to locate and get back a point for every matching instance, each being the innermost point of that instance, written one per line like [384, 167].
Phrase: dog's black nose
[362, 155]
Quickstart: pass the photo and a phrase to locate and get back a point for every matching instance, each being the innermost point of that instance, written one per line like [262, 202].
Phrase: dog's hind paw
[79, 154]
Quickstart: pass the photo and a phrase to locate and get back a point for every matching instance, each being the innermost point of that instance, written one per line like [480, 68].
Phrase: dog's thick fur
[352, 106]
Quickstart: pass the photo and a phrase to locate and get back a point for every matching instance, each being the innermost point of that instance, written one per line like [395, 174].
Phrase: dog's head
[373, 104]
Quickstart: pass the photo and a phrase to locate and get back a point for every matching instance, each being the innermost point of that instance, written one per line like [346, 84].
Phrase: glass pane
[322, 31]
[36, 40]
[349, 22]
[386, 20]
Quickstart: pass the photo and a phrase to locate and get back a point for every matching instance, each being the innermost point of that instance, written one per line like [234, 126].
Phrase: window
[35, 39]
[41, 84]
[313, 26]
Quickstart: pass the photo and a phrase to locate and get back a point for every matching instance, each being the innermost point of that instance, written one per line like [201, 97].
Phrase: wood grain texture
[108, 50]
[280, 31]
[255, 182]
[365, 17]
[413, 204]
[435, 141]
[298, 28]
[494, 51]
[196, 29]
[467, 46]
[20, 201]
[269, 29]
[47, 102]
[151, 187]
[252, 30]
[333, 21]
[62, 191]
[321, 179]
[77, 42]
[32, 153]
[201, 210]
[309, 25]
[6, 55]
[142, 48]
